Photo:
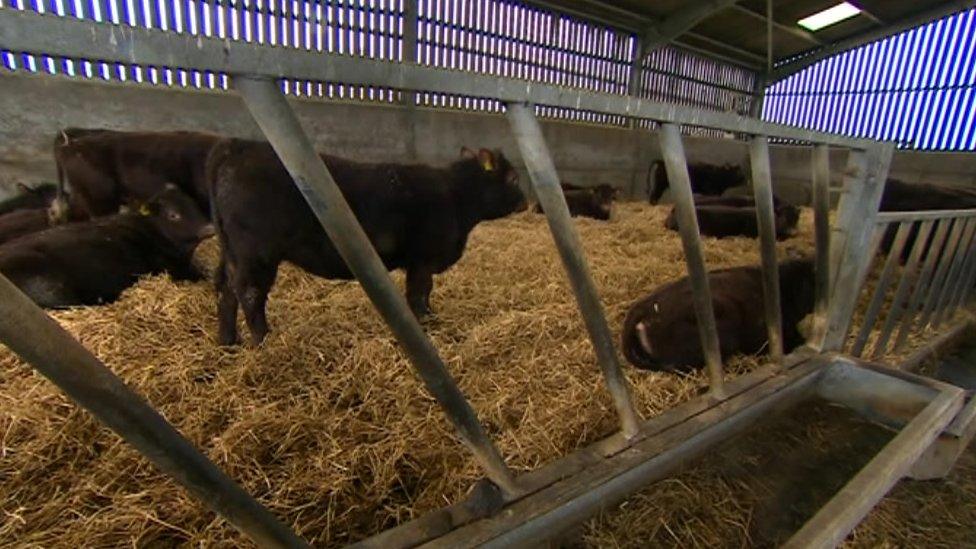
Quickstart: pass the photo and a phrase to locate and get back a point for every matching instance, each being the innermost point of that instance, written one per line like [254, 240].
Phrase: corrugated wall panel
[915, 88]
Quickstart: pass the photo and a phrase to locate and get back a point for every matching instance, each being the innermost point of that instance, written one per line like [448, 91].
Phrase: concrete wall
[36, 107]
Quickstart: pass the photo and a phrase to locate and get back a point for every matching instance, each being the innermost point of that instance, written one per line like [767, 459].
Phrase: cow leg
[252, 283]
[226, 307]
[420, 282]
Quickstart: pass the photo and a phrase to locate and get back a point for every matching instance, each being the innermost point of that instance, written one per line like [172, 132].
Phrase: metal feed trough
[507, 509]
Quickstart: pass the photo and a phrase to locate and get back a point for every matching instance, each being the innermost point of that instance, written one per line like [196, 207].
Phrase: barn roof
[735, 31]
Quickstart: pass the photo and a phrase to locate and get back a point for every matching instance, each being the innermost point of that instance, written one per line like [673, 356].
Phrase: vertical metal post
[410, 24]
[769, 36]
[43, 343]
[924, 278]
[877, 300]
[941, 275]
[637, 68]
[762, 188]
[965, 280]
[673, 152]
[952, 279]
[278, 122]
[545, 182]
[758, 96]
[908, 278]
[864, 183]
[821, 222]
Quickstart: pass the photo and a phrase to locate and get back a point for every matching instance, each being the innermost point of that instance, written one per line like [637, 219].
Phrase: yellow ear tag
[144, 210]
[487, 165]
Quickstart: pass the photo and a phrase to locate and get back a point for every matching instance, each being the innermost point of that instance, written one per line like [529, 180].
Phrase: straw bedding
[326, 423]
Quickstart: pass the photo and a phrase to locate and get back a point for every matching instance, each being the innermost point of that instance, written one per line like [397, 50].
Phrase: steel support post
[941, 274]
[877, 300]
[673, 152]
[850, 249]
[545, 182]
[762, 188]
[821, 221]
[410, 24]
[924, 280]
[44, 344]
[952, 278]
[908, 278]
[278, 122]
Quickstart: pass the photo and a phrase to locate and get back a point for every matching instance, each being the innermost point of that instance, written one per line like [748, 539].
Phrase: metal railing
[253, 72]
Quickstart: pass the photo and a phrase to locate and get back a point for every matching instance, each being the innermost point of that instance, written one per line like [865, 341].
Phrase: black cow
[660, 331]
[90, 263]
[105, 169]
[734, 201]
[417, 217]
[22, 222]
[723, 221]
[899, 196]
[707, 179]
[29, 198]
[594, 202]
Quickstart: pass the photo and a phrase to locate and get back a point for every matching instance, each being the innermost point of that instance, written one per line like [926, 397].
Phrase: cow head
[660, 336]
[495, 182]
[177, 217]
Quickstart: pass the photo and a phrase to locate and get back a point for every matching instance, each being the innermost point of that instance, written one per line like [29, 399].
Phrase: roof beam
[942, 10]
[795, 31]
[682, 21]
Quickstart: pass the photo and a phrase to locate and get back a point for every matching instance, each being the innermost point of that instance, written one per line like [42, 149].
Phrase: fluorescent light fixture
[829, 16]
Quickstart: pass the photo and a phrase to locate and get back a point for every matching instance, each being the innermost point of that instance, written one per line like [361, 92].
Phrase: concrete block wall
[36, 107]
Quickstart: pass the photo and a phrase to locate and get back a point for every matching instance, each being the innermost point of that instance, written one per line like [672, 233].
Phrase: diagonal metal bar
[276, 119]
[682, 21]
[762, 188]
[676, 164]
[821, 222]
[877, 300]
[924, 279]
[941, 274]
[855, 223]
[952, 279]
[545, 181]
[908, 277]
[966, 280]
[44, 344]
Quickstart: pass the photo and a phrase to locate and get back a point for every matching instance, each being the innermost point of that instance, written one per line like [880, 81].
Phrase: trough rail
[253, 71]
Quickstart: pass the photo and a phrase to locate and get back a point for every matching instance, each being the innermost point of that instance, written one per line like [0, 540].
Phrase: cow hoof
[228, 340]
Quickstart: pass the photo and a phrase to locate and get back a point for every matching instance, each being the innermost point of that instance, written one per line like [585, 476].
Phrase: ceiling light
[829, 16]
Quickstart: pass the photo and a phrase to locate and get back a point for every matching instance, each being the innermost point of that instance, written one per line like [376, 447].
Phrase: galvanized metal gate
[510, 509]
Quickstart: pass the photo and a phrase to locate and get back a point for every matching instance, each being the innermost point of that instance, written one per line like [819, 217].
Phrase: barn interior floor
[326, 423]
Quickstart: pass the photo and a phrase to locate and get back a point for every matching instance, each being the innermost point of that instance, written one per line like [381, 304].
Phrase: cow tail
[58, 211]
[215, 159]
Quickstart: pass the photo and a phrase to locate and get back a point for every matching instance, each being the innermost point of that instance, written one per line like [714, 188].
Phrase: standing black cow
[92, 262]
[417, 217]
[707, 179]
[106, 169]
[660, 331]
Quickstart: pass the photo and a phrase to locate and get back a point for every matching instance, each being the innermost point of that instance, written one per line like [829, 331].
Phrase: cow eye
[173, 216]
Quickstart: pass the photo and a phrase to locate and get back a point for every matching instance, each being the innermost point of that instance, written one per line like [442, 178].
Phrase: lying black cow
[90, 263]
[594, 202]
[106, 169]
[417, 217]
[707, 179]
[660, 331]
[733, 201]
[22, 222]
[723, 221]
[29, 198]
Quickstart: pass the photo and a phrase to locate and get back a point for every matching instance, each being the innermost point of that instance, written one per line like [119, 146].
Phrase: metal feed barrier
[517, 510]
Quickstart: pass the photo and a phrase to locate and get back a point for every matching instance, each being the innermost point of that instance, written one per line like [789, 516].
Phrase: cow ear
[511, 177]
[487, 160]
[147, 208]
[468, 154]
